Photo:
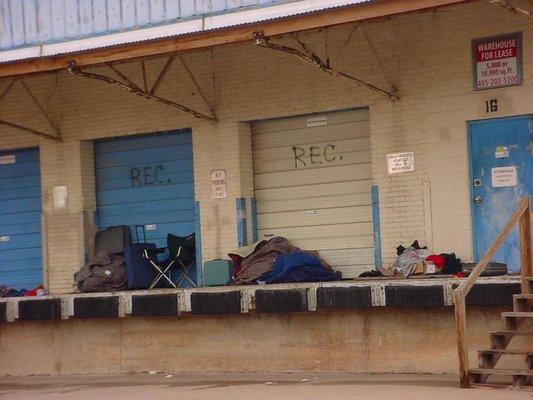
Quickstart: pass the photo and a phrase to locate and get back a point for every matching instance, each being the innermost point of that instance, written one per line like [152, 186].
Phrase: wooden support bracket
[54, 136]
[7, 89]
[162, 74]
[40, 107]
[30, 130]
[509, 6]
[135, 89]
[197, 86]
[312, 58]
[124, 77]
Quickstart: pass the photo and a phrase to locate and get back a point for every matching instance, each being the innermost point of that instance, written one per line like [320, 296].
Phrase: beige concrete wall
[224, 146]
[381, 340]
[427, 56]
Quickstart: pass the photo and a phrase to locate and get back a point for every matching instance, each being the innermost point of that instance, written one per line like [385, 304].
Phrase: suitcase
[140, 272]
[112, 240]
[492, 269]
[217, 272]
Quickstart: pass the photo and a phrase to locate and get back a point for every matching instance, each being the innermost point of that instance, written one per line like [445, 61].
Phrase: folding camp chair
[181, 256]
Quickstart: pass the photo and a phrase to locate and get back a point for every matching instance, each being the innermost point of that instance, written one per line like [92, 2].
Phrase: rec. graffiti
[147, 176]
[305, 156]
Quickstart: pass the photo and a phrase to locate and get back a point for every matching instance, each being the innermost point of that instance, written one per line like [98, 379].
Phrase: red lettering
[495, 50]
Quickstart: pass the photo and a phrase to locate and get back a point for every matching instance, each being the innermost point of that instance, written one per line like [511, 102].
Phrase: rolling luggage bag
[112, 240]
[492, 269]
[140, 272]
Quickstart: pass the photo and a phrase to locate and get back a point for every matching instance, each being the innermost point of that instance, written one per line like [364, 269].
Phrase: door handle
[478, 199]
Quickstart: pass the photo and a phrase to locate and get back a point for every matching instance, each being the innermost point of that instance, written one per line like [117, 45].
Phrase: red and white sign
[400, 163]
[497, 61]
[218, 184]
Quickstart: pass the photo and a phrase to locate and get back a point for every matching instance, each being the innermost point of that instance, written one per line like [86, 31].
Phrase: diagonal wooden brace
[312, 58]
[73, 69]
[30, 130]
[509, 6]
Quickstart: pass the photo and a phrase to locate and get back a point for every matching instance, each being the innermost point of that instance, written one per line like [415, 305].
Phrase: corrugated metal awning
[92, 40]
[205, 32]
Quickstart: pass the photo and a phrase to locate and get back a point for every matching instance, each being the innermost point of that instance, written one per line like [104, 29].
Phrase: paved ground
[247, 386]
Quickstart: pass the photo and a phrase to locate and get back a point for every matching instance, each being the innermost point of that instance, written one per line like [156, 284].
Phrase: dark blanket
[297, 267]
[261, 260]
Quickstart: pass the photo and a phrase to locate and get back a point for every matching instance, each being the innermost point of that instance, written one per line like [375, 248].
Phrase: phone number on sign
[506, 80]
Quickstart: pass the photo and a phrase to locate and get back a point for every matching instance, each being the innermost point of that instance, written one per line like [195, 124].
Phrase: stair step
[518, 314]
[513, 319]
[496, 371]
[500, 339]
[512, 333]
[507, 351]
[501, 386]
[523, 296]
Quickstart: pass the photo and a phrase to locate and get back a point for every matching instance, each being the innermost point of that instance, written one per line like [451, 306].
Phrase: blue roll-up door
[147, 180]
[20, 219]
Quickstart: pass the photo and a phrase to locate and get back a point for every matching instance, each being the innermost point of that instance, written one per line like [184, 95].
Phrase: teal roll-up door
[147, 180]
[20, 219]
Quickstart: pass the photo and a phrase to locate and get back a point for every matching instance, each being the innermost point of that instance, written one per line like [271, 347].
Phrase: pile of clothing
[415, 260]
[278, 261]
[104, 273]
[6, 291]
[419, 260]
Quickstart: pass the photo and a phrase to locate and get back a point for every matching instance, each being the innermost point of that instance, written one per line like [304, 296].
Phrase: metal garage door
[312, 178]
[20, 219]
[147, 180]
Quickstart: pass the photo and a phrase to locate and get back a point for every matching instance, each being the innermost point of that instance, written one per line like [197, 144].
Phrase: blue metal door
[20, 219]
[501, 171]
[147, 180]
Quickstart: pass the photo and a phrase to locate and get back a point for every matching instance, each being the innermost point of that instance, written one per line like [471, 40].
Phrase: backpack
[105, 273]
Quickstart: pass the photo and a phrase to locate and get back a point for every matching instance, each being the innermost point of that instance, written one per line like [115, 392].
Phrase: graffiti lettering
[135, 173]
[147, 176]
[157, 175]
[314, 155]
[298, 152]
[327, 157]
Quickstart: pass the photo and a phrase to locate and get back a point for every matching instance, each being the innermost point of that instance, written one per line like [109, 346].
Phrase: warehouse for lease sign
[497, 61]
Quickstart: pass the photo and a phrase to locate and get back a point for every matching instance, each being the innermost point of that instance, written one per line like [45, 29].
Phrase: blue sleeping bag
[297, 267]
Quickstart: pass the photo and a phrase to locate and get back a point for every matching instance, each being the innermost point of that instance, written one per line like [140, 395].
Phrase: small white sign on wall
[218, 184]
[60, 197]
[320, 120]
[9, 159]
[504, 176]
[501, 152]
[400, 163]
